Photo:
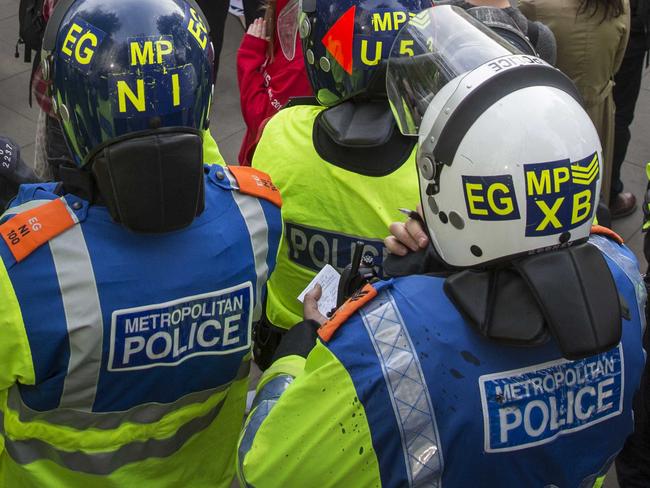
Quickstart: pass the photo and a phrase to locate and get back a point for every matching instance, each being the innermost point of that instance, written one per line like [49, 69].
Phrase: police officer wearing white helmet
[512, 360]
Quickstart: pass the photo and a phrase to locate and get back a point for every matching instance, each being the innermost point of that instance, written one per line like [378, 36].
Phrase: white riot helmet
[508, 160]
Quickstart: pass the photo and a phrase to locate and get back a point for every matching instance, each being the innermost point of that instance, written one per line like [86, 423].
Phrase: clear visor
[435, 47]
[287, 29]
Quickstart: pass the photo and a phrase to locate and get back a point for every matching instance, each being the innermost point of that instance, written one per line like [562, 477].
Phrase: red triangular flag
[339, 39]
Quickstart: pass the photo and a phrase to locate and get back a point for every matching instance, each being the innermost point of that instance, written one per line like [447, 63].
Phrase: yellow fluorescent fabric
[317, 431]
[291, 365]
[211, 154]
[14, 347]
[217, 460]
[320, 195]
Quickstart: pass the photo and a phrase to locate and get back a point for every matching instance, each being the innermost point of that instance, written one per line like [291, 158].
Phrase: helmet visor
[288, 21]
[436, 46]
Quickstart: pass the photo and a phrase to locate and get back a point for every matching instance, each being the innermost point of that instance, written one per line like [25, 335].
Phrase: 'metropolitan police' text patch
[167, 334]
[532, 406]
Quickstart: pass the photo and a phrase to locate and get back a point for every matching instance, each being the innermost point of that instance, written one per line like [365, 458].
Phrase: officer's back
[472, 411]
[128, 290]
[129, 345]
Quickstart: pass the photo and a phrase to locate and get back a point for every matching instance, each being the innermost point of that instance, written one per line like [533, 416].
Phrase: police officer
[342, 166]
[128, 291]
[517, 365]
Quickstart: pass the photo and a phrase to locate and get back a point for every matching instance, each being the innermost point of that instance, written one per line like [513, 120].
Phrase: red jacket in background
[265, 87]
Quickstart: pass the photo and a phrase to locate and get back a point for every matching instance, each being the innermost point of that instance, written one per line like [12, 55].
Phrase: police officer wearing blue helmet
[343, 167]
[128, 290]
[511, 361]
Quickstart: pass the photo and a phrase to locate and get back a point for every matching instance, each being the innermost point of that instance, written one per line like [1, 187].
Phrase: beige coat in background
[590, 53]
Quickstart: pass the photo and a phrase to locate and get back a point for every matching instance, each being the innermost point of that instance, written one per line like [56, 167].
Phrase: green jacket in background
[590, 51]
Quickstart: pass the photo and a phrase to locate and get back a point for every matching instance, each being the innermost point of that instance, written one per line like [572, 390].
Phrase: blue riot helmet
[346, 44]
[132, 87]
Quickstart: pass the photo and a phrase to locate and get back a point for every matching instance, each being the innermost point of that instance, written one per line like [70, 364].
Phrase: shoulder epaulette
[257, 183]
[607, 232]
[29, 230]
[345, 311]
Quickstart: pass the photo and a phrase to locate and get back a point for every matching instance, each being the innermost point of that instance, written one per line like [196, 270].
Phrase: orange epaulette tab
[256, 183]
[29, 230]
[354, 303]
[607, 232]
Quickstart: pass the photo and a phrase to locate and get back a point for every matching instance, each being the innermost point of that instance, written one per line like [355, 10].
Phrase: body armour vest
[447, 407]
[326, 209]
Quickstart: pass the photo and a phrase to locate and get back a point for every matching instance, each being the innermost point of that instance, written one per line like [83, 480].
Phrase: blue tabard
[116, 319]
[447, 407]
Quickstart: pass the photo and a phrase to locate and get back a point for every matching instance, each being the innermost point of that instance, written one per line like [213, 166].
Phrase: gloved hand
[13, 171]
[301, 338]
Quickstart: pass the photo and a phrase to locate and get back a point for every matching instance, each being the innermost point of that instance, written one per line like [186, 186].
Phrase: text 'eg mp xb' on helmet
[346, 44]
[120, 67]
[509, 162]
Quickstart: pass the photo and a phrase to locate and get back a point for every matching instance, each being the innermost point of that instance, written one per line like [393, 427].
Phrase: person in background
[487, 11]
[270, 69]
[626, 92]
[253, 9]
[632, 468]
[216, 13]
[591, 37]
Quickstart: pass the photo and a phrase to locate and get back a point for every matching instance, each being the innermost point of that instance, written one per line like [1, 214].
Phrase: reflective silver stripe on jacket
[258, 230]
[24, 207]
[104, 463]
[264, 402]
[83, 315]
[147, 413]
[407, 389]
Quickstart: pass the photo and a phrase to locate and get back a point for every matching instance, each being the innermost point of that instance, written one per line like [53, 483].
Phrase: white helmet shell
[525, 177]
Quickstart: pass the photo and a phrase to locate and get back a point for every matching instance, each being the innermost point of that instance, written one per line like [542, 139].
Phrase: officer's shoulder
[245, 180]
[31, 223]
[348, 309]
[294, 114]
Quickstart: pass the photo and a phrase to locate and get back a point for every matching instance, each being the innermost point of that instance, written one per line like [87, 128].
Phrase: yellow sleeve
[291, 365]
[211, 154]
[15, 354]
[312, 431]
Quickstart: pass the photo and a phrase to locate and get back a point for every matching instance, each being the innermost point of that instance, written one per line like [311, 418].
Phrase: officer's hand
[407, 236]
[310, 306]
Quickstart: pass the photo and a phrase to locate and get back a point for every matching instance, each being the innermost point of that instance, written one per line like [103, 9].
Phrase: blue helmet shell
[347, 42]
[125, 66]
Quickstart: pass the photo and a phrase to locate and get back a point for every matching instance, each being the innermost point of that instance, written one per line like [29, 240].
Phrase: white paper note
[328, 279]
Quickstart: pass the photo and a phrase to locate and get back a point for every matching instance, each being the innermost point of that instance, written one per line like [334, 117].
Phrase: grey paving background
[18, 120]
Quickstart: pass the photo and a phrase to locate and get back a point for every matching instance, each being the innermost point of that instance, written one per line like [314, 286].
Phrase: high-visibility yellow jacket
[326, 209]
[125, 356]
